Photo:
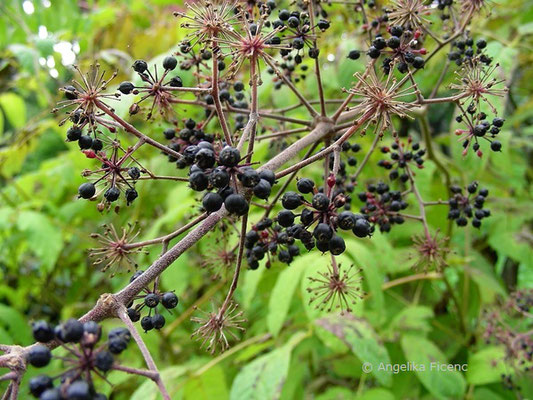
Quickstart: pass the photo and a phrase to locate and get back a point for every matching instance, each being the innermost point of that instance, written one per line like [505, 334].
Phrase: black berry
[39, 356]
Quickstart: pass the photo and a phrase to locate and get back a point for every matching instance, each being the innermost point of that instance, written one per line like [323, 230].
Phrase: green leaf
[14, 324]
[376, 394]
[26, 56]
[44, 238]
[486, 394]
[336, 393]
[359, 336]
[526, 29]
[428, 359]
[14, 109]
[210, 385]
[264, 377]
[281, 296]
[411, 318]
[249, 285]
[367, 261]
[486, 366]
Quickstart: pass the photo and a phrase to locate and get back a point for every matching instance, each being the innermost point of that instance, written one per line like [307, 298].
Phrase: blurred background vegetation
[288, 347]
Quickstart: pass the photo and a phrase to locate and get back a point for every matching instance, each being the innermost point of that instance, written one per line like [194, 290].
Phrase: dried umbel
[209, 20]
[117, 251]
[473, 6]
[218, 327]
[381, 98]
[478, 84]
[410, 14]
[336, 289]
[84, 97]
[220, 257]
[253, 45]
[431, 252]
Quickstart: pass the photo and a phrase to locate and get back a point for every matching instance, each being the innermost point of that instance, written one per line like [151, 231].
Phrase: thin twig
[122, 313]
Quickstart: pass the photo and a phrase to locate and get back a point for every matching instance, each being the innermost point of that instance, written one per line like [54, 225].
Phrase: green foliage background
[289, 350]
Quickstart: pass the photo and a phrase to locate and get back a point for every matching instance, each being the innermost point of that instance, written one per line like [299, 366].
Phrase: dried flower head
[336, 288]
[116, 174]
[209, 20]
[116, 248]
[220, 257]
[473, 6]
[83, 97]
[409, 14]
[477, 83]
[217, 325]
[160, 89]
[252, 45]
[430, 251]
[380, 99]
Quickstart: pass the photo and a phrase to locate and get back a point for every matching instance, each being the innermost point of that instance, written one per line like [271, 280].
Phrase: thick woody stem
[327, 150]
[168, 237]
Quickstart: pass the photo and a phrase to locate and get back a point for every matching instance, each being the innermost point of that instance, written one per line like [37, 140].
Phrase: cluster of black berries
[237, 102]
[123, 179]
[300, 31]
[461, 208]
[223, 172]
[151, 299]
[442, 5]
[401, 155]
[378, 22]
[465, 51]
[190, 58]
[265, 8]
[322, 212]
[268, 238]
[402, 49]
[288, 67]
[383, 206]
[160, 88]
[192, 135]
[75, 132]
[85, 358]
[347, 148]
[479, 128]
[92, 148]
